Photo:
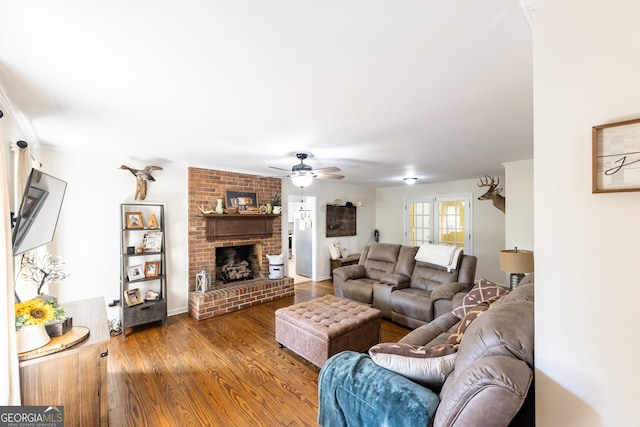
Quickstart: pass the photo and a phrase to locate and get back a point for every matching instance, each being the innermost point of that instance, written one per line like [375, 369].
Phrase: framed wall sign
[616, 157]
[243, 201]
[341, 221]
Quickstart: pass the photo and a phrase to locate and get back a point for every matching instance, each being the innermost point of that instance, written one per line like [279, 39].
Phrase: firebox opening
[234, 263]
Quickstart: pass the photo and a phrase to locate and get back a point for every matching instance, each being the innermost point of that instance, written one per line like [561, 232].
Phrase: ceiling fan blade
[327, 170]
[280, 169]
[330, 177]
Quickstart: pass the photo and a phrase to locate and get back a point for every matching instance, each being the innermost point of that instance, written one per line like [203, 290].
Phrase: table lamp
[517, 262]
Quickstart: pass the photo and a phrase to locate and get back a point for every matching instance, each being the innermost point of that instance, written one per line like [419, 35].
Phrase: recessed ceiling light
[411, 180]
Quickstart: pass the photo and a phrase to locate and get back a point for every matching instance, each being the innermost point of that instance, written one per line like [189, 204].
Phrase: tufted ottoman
[325, 326]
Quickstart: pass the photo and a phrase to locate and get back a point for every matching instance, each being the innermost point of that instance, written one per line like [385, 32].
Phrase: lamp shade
[516, 261]
[301, 179]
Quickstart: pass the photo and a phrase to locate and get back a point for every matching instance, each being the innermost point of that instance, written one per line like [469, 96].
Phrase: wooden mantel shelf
[223, 226]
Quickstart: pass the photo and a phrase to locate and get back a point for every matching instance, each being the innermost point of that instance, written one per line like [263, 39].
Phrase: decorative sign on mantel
[616, 157]
[239, 226]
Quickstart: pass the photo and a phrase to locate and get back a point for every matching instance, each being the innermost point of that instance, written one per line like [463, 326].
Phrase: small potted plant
[44, 270]
[276, 203]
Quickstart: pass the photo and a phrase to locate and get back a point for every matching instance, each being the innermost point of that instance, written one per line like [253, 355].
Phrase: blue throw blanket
[355, 392]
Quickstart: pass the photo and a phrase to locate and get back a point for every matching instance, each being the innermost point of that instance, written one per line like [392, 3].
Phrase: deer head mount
[493, 193]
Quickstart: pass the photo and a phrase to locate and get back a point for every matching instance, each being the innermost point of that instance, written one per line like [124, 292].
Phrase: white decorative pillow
[427, 366]
[335, 250]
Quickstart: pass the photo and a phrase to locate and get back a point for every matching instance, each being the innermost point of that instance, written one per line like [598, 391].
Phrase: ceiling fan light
[302, 179]
[410, 180]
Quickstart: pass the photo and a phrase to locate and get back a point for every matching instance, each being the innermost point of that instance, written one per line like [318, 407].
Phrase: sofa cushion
[429, 277]
[429, 366]
[359, 290]
[484, 290]
[381, 259]
[413, 303]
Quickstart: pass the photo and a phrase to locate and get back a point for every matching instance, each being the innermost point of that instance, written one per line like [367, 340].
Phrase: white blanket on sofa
[442, 255]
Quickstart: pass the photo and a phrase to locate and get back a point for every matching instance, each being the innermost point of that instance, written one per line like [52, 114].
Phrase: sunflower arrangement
[38, 311]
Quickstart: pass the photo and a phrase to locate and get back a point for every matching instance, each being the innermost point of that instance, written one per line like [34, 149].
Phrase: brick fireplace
[205, 186]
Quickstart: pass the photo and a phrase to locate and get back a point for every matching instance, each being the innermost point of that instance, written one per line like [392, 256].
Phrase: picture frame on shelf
[135, 272]
[243, 201]
[133, 297]
[151, 269]
[616, 157]
[152, 241]
[134, 220]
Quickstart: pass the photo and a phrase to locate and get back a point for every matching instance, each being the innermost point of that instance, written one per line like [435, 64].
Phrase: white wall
[88, 232]
[586, 68]
[325, 193]
[519, 216]
[488, 221]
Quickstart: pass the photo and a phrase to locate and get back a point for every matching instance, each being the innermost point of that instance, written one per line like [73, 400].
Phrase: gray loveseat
[491, 384]
[409, 292]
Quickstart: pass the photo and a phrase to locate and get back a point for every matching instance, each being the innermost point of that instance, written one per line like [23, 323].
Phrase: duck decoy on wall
[142, 176]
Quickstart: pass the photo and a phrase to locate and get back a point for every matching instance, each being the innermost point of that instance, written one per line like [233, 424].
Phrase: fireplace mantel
[223, 226]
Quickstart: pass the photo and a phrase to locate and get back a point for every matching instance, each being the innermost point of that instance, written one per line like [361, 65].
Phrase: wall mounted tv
[39, 211]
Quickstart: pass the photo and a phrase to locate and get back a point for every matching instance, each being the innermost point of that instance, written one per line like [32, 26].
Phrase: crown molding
[10, 112]
[529, 6]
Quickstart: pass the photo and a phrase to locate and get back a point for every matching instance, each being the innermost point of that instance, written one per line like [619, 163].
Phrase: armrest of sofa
[355, 271]
[342, 274]
[398, 281]
[448, 290]
[354, 391]
[488, 393]
[433, 333]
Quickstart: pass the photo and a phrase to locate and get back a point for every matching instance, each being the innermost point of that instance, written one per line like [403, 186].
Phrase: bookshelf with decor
[143, 270]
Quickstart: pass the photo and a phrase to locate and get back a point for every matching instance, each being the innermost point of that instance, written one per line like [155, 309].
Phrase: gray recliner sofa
[491, 384]
[408, 292]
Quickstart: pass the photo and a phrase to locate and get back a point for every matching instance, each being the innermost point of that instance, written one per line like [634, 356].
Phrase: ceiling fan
[302, 174]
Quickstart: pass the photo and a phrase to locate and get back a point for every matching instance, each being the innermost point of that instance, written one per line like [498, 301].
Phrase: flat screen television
[39, 211]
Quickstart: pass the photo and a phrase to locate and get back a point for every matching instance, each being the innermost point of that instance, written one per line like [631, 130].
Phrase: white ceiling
[438, 89]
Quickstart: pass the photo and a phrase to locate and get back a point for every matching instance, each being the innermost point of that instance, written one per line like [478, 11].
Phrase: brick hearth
[237, 295]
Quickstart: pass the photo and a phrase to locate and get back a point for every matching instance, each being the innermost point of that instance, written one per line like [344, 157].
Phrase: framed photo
[341, 221]
[135, 272]
[152, 241]
[616, 157]
[151, 269]
[243, 201]
[134, 219]
[133, 297]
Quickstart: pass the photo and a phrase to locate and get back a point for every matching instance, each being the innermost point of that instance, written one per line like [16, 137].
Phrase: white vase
[219, 206]
[277, 210]
[30, 337]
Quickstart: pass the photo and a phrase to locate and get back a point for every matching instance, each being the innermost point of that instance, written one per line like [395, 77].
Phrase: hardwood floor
[224, 371]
